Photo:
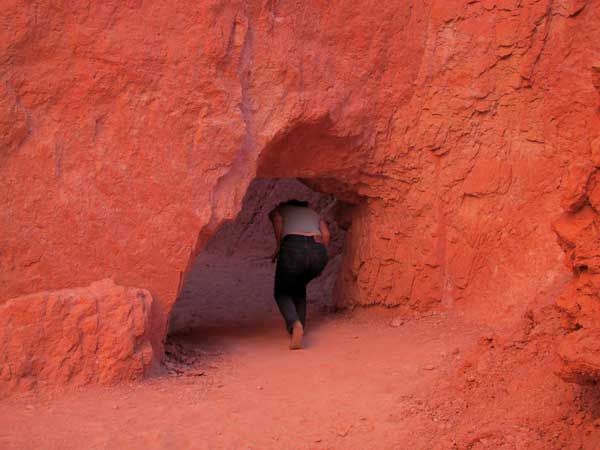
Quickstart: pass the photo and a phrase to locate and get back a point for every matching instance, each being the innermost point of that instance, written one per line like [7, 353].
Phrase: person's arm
[324, 232]
[277, 222]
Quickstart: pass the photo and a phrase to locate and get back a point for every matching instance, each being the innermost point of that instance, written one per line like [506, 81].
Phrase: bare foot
[297, 333]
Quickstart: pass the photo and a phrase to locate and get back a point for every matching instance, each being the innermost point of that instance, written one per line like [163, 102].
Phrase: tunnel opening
[228, 293]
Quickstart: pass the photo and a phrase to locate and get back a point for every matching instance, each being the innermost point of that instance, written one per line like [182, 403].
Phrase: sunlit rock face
[457, 131]
[75, 336]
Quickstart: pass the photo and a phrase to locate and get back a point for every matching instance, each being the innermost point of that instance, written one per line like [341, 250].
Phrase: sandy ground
[359, 384]
[233, 384]
[367, 379]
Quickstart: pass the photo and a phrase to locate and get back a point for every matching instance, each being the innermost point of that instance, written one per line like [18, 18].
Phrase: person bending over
[301, 254]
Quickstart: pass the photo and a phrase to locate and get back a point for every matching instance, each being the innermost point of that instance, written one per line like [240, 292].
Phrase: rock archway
[230, 284]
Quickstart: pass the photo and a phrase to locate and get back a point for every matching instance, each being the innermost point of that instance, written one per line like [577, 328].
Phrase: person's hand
[275, 255]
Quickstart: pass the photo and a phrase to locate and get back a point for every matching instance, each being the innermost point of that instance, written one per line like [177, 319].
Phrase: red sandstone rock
[580, 355]
[596, 78]
[13, 120]
[94, 334]
[130, 131]
[578, 232]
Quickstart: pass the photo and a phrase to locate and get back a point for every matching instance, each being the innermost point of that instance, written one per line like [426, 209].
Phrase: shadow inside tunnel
[227, 298]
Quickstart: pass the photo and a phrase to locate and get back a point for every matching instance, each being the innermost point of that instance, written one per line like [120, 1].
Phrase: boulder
[97, 333]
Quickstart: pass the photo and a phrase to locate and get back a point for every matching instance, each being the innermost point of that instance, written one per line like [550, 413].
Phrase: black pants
[301, 259]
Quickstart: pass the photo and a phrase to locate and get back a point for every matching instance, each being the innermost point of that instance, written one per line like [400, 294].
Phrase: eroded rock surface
[96, 334]
[578, 234]
[130, 132]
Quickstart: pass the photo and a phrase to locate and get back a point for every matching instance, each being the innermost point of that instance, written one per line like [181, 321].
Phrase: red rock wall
[130, 131]
[578, 231]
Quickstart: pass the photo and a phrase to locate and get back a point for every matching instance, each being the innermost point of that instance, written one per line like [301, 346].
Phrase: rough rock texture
[130, 132]
[578, 234]
[94, 334]
[578, 231]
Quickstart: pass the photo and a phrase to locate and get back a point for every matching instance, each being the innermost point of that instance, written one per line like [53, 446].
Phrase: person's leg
[286, 306]
[287, 274]
[300, 302]
[285, 300]
[317, 259]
